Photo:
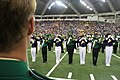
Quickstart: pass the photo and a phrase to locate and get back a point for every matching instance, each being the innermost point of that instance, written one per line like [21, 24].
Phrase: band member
[115, 46]
[89, 45]
[82, 49]
[70, 49]
[103, 43]
[64, 43]
[57, 42]
[75, 43]
[96, 49]
[38, 44]
[49, 43]
[62, 50]
[44, 49]
[109, 49]
[33, 48]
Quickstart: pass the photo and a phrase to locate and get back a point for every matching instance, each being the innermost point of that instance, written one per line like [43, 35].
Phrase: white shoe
[33, 60]
[107, 64]
[57, 62]
[83, 63]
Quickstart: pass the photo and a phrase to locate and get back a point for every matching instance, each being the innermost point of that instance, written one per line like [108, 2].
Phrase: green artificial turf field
[79, 72]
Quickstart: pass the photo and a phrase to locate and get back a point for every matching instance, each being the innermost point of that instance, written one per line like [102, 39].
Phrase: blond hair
[14, 17]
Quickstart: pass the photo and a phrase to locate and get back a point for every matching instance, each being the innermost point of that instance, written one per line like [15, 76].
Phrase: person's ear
[31, 26]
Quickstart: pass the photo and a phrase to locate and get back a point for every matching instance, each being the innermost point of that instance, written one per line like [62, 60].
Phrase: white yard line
[69, 75]
[116, 56]
[60, 78]
[48, 74]
[114, 78]
[92, 77]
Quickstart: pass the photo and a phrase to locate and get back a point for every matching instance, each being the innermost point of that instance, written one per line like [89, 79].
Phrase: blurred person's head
[16, 26]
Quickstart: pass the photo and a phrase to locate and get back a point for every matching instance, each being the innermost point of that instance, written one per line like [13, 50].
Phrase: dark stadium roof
[75, 7]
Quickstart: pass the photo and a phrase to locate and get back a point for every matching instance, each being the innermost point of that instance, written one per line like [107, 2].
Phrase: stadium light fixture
[89, 8]
[58, 3]
[82, 2]
[103, 0]
[51, 5]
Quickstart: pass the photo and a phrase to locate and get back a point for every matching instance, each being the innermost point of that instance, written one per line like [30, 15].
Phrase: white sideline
[114, 78]
[92, 77]
[69, 75]
[116, 56]
[48, 74]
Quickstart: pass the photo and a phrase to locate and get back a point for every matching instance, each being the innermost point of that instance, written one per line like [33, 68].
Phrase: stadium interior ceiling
[100, 10]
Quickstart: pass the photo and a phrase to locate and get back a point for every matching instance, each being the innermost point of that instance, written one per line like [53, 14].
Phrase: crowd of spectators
[76, 27]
